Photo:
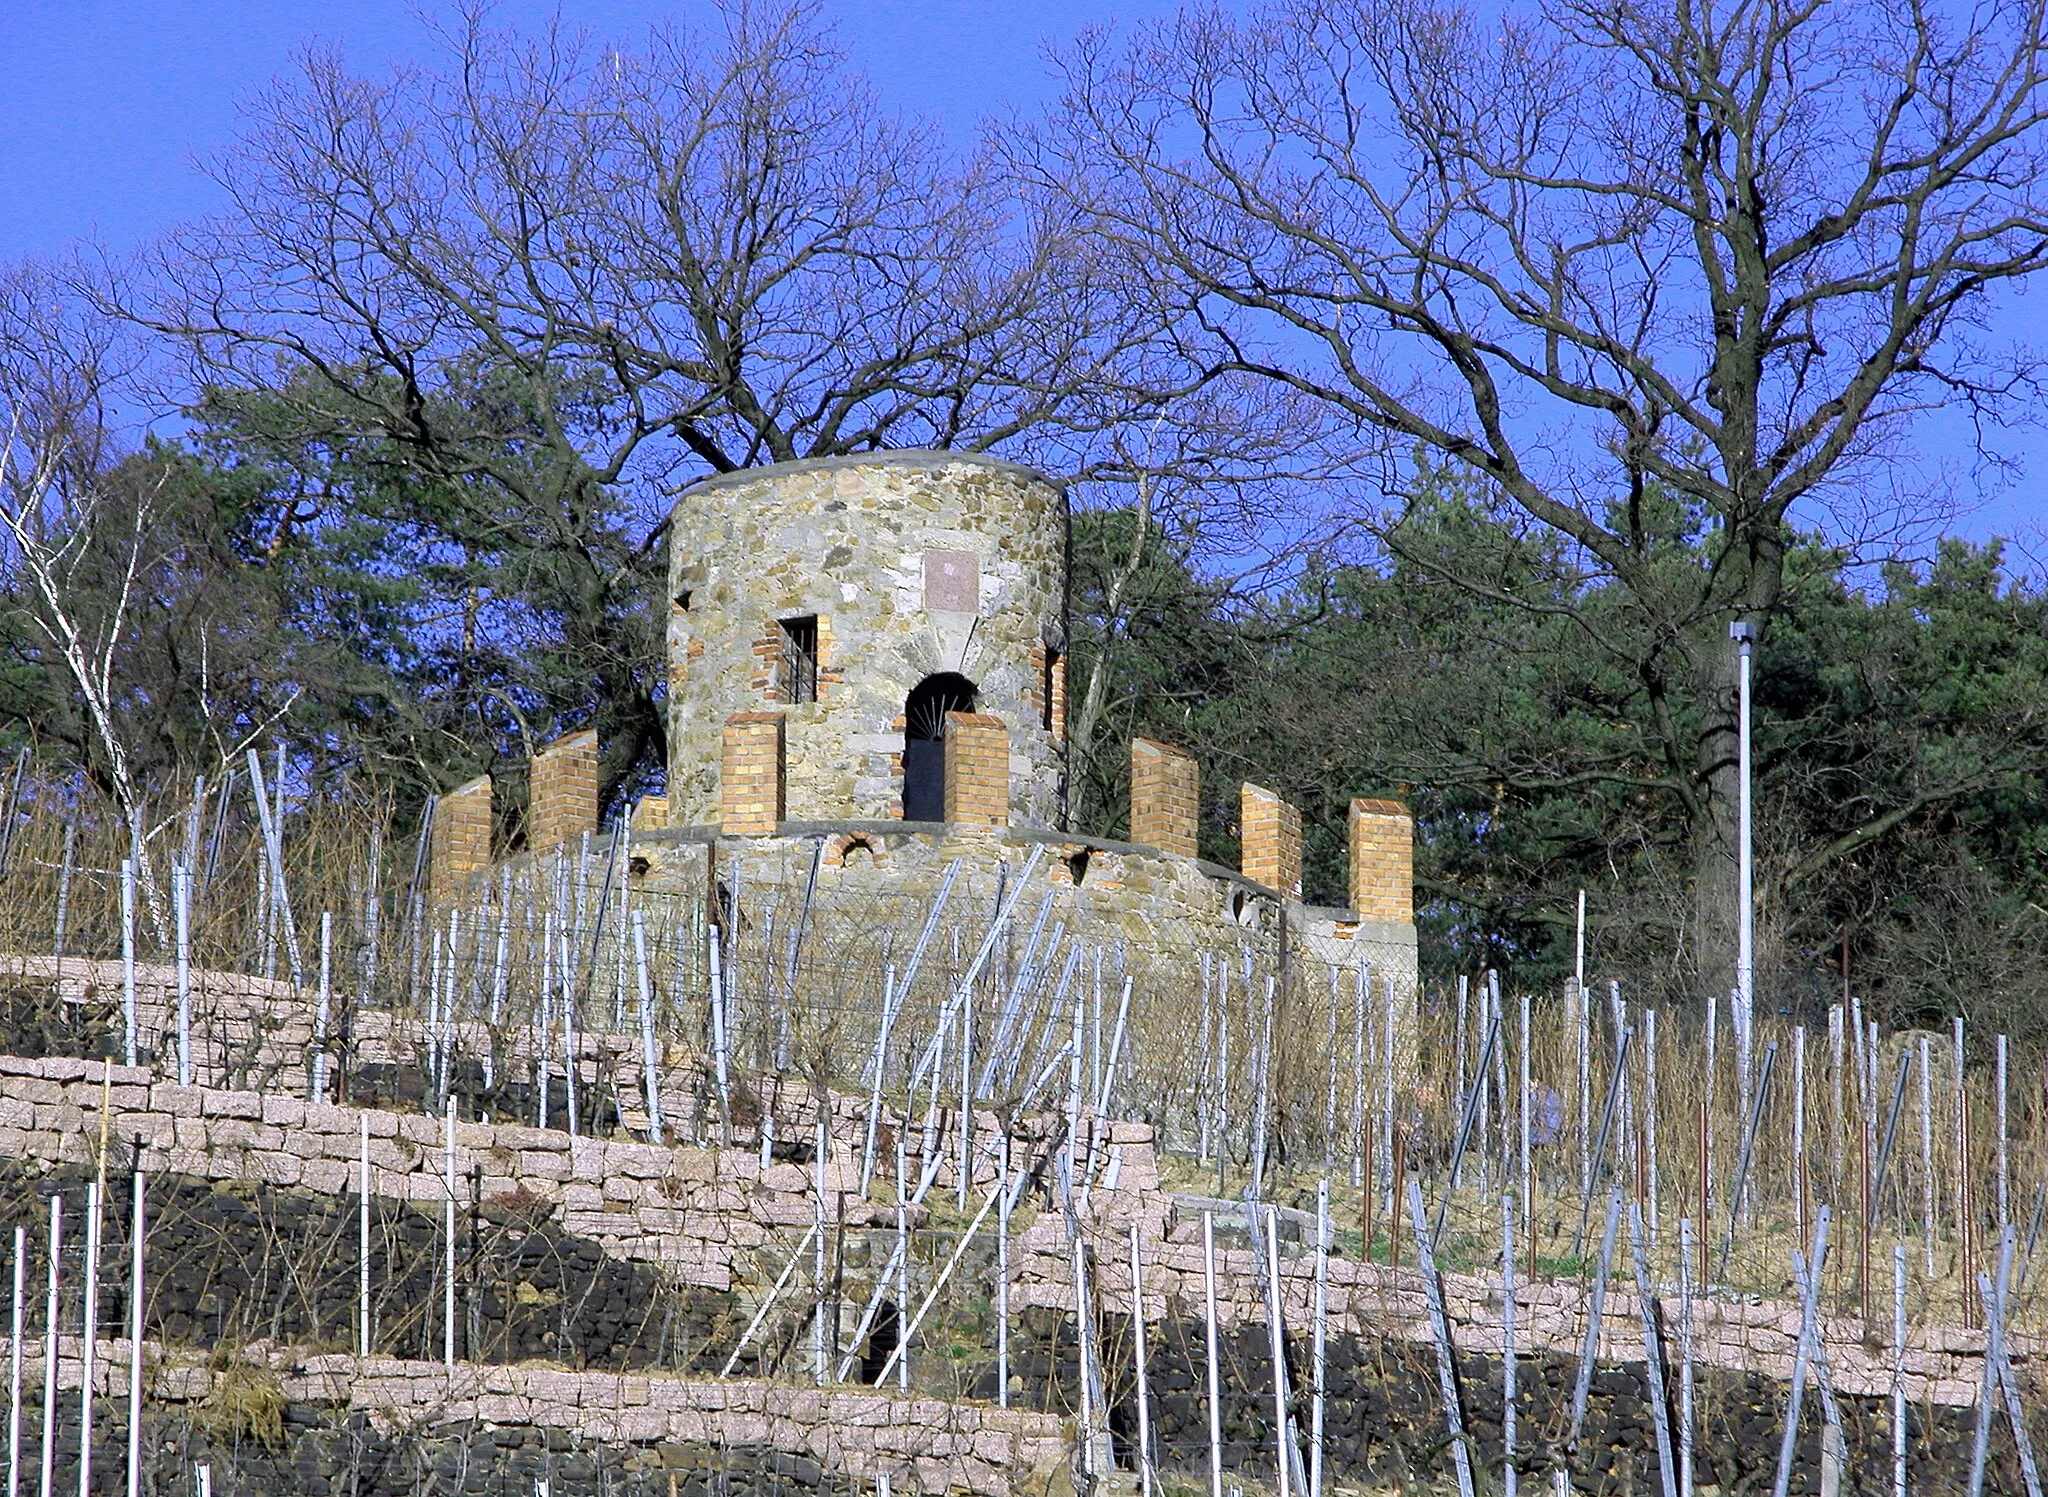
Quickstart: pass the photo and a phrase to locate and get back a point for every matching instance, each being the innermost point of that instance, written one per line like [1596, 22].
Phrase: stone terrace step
[693, 1210]
[922, 1444]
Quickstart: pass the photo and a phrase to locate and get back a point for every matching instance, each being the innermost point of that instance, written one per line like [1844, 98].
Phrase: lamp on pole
[1744, 635]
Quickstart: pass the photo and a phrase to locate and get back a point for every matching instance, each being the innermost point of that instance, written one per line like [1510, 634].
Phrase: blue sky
[109, 102]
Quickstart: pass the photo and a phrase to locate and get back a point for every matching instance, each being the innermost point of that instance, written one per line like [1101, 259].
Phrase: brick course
[562, 799]
[460, 843]
[751, 775]
[1165, 796]
[1047, 693]
[977, 769]
[1381, 841]
[1269, 832]
[765, 676]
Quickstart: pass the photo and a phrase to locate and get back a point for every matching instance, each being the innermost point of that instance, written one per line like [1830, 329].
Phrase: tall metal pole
[1744, 635]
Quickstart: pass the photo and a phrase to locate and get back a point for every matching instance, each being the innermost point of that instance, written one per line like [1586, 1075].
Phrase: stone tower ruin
[837, 614]
[868, 740]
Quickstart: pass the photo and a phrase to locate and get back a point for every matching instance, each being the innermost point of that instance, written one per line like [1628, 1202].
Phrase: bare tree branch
[1600, 255]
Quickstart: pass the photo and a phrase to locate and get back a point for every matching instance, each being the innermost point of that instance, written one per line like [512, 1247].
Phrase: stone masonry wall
[1384, 1424]
[1943, 1363]
[924, 1445]
[697, 1211]
[701, 1213]
[692, 1211]
[1161, 912]
[235, 1261]
[848, 541]
[253, 1033]
[704, 1215]
[255, 1036]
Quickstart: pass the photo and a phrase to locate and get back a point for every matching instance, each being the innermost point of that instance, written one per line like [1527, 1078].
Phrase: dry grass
[245, 1403]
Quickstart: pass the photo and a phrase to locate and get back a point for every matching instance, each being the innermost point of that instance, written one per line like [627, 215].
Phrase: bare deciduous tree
[52, 533]
[105, 609]
[1606, 256]
[563, 281]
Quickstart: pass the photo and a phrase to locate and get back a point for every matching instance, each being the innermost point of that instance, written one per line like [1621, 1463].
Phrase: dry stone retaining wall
[1943, 1364]
[255, 1032]
[232, 1262]
[1384, 1425]
[702, 1213]
[699, 1212]
[924, 1445]
[691, 1210]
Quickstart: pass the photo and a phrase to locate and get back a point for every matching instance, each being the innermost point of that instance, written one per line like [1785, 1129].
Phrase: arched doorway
[924, 742]
[881, 1342]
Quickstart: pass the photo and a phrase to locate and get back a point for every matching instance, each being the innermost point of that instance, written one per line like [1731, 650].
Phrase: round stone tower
[835, 617]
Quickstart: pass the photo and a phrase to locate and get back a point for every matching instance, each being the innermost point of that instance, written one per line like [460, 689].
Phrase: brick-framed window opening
[1048, 690]
[799, 676]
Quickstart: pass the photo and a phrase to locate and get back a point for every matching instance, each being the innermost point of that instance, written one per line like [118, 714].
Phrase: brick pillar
[460, 842]
[750, 775]
[650, 812]
[1269, 833]
[562, 792]
[977, 769]
[1165, 788]
[1382, 847]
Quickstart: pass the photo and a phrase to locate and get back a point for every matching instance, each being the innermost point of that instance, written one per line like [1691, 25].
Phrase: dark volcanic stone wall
[36, 1022]
[1384, 1422]
[232, 1264]
[312, 1450]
